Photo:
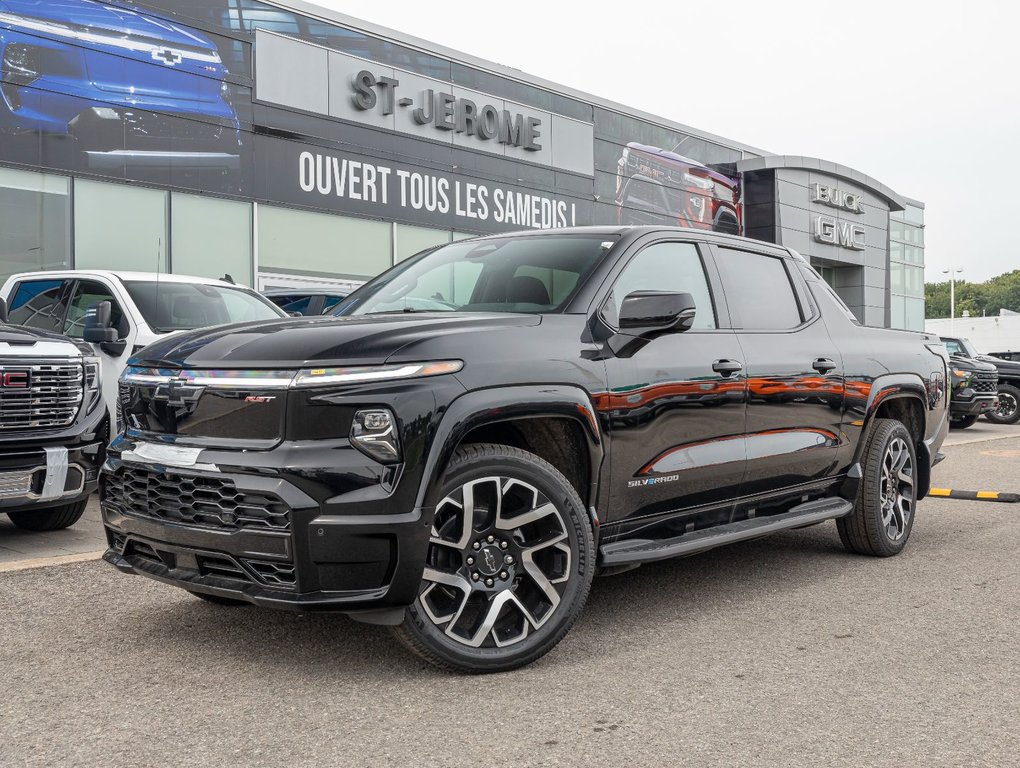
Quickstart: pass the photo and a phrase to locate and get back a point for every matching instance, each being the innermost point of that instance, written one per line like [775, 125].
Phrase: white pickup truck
[145, 306]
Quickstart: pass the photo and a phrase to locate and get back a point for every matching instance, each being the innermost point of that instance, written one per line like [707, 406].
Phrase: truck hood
[19, 340]
[125, 51]
[971, 364]
[293, 343]
[1011, 367]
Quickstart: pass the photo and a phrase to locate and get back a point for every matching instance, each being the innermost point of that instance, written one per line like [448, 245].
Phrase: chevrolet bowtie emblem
[178, 392]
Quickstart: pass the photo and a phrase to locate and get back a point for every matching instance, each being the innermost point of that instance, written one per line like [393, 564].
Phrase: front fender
[499, 404]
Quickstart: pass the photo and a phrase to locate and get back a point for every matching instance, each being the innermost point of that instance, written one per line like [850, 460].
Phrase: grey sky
[921, 95]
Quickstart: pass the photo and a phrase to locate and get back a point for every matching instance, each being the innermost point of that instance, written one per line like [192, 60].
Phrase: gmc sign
[15, 379]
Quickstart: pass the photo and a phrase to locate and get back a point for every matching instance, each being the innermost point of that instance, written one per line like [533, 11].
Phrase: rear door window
[40, 304]
[759, 291]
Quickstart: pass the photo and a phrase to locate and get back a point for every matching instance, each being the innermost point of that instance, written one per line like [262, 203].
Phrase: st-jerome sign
[446, 112]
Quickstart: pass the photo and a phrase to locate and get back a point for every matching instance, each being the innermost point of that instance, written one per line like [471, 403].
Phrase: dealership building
[288, 145]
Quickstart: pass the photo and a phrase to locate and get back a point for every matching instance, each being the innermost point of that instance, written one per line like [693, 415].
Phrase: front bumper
[969, 403]
[268, 527]
[48, 476]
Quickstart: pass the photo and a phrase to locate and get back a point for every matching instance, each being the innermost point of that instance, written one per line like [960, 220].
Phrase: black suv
[580, 401]
[1007, 409]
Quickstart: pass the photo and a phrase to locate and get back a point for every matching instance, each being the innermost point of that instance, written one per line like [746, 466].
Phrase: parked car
[114, 88]
[654, 185]
[145, 306]
[581, 403]
[297, 302]
[53, 426]
[1007, 409]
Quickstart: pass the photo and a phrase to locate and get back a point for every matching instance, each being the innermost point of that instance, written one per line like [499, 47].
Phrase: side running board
[646, 550]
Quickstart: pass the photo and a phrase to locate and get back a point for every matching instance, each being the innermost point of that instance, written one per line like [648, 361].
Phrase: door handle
[727, 367]
[823, 365]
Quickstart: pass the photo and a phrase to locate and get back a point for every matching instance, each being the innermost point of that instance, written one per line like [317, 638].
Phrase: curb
[45, 562]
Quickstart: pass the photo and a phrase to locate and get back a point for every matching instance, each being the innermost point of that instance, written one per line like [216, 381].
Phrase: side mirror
[647, 313]
[3, 311]
[97, 328]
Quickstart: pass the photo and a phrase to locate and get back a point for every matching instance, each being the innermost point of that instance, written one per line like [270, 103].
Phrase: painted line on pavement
[45, 562]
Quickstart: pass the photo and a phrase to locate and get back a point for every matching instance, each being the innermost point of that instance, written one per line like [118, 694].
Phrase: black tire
[217, 600]
[962, 422]
[52, 519]
[874, 527]
[1008, 411]
[497, 614]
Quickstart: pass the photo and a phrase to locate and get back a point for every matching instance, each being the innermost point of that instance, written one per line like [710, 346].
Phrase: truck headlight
[93, 383]
[317, 377]
[374, 433]
[20, 66]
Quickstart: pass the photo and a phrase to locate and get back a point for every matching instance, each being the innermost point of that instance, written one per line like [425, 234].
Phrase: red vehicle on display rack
[654, 184]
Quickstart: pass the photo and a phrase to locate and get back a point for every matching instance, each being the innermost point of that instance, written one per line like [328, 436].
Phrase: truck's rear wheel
[52, 519]
[883, 514]
[509, 566]
[1008, 410]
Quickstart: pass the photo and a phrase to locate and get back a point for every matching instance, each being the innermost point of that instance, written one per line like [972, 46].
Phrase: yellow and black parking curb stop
[948, 493]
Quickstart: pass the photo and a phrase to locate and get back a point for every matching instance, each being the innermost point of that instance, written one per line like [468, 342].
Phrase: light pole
[952, 295]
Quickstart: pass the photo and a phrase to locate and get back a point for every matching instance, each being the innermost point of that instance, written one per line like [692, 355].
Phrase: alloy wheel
[1007, 406]
[498, 563]
[897, 488]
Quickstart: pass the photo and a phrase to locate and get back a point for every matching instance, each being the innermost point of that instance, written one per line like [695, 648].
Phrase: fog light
[374, 433]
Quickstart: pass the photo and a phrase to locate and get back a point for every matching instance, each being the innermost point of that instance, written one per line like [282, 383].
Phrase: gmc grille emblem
[15, 379]
[178, 393]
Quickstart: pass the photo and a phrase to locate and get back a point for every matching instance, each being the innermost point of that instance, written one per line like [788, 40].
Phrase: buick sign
[837, 198]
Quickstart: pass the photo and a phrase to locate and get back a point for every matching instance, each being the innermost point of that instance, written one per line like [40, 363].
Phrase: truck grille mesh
[986, 382]
[52, 398]
[194, 500]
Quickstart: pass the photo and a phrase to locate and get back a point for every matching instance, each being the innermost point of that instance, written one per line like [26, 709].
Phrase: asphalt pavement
[781, 651]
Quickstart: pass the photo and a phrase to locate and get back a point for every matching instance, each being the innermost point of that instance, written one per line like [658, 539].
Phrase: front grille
[52, 398]
[141, 127]
[986, 382]
[194, 499]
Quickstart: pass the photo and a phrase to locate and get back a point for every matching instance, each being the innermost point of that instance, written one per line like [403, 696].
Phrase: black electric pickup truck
[488, 425]
[53, 426]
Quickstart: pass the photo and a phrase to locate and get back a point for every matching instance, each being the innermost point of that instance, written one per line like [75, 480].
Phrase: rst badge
[18, 379]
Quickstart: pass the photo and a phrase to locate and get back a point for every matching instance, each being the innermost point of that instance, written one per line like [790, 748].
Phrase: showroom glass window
[119, 227]
[906, 268]
[211, 237]
[35, 222]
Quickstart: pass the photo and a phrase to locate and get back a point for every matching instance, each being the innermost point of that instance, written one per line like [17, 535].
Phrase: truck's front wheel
[51, 519]
[1008, 409]
[509, 566]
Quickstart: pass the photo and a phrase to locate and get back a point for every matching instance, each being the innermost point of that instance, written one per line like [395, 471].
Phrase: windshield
[185, 306]
[961, 347]
[511, 274]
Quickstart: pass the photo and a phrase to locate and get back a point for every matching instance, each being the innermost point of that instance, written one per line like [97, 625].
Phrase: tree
[987, 298]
